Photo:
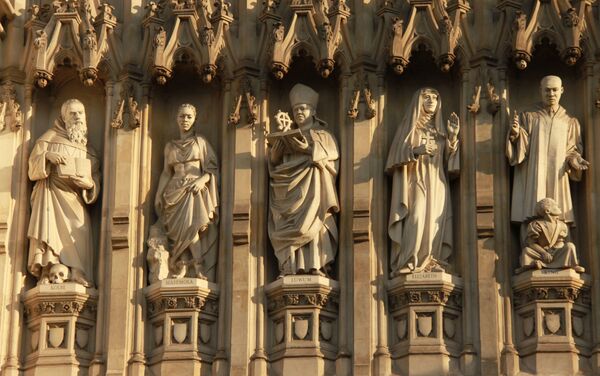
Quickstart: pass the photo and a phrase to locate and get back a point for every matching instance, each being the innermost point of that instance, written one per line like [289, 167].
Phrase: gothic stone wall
[237, 62]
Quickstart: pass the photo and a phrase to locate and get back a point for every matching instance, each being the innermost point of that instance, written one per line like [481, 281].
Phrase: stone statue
[303, 167]
[67, 179]
[546, 244]
[423, 151]
[546, 149]
[187, 202]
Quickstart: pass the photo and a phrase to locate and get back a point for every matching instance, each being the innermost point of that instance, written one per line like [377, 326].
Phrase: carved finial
[208, 72]
[474, 107]
[10, 110]
[326, 67]
[270, 6]
[353, 108]
[153, 9]
[88, 76]
[493, 99]
[250, 101]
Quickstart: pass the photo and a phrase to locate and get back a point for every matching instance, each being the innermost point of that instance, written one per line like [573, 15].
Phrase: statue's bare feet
[78, 277]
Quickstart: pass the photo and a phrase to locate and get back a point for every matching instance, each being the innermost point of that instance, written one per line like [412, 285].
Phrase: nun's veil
[401, 150]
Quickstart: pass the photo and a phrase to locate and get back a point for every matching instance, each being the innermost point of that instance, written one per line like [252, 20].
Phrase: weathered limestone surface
[226, 297]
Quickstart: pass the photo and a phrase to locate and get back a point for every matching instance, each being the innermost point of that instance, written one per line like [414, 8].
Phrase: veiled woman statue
[187, 201]
[422, 154]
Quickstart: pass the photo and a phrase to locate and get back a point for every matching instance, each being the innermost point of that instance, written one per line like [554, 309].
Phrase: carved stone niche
[552, 321]
[60, 335]
[182, 317]
[302, 325]
[426, 323]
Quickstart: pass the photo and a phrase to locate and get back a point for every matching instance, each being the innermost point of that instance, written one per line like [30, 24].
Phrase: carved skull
[59, 273]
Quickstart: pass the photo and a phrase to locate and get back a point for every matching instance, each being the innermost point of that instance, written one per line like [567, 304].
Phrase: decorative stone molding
[430, 22]
[6, 11]
[128, 110]
[426, 312]
[11, 116]
[60, 321]
[199, 35]
[182, 314]
[120, 232]
[71, 33]
[564, 26]
[315, 27]
[475, 106]
[552, 313]
[246, 97]
[362, 91]
[303, 312]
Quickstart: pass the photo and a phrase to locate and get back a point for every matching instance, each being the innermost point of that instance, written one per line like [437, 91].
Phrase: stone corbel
[315, 27]
[428, 20]
[199, 34]
[127, 108]
[475, 106]
[564, 25]
[11, 116]
[6, 11]
[362, 90]
[246, 97]
[67, 32]
[493, 99]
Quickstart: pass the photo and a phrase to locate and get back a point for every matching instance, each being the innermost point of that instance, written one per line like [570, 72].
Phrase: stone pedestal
[182, 317]
[426, 325]
[552, 321]
[60, 334]
[303, 311]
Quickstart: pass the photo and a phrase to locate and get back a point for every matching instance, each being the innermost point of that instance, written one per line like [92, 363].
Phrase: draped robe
[186, 215]
[303, 201]
[539, 155]
[420, 222]
[60, 227]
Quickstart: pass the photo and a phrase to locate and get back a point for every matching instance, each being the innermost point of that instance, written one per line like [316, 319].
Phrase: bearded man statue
[67, 179]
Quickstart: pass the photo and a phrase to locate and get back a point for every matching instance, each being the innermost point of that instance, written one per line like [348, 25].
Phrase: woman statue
[187, 200]
[422, 152]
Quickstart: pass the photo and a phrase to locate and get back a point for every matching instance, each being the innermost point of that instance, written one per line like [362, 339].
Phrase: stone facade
[226, 303]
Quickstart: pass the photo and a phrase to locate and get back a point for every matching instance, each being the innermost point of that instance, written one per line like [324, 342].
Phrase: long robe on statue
[539, 155]
[60, 227]
[303, 201]
[186, 215]
[420, 222]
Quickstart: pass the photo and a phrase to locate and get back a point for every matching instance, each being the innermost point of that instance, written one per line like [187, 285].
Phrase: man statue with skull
[67, 178]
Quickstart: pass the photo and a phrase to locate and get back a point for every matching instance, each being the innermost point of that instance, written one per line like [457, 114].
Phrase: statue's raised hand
[453, 126]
